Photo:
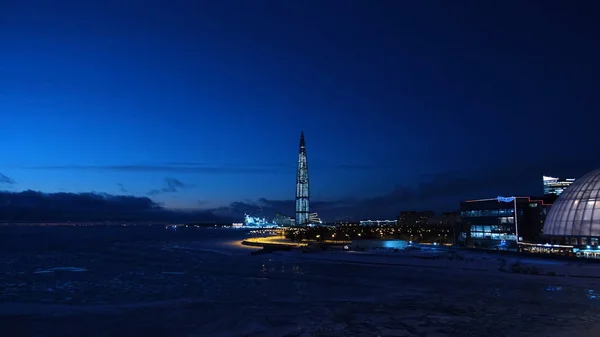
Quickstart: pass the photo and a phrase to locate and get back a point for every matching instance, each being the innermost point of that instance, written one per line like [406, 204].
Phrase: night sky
[200, 104]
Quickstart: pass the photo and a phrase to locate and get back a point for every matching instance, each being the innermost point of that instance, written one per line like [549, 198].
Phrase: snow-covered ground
[198, 287]
[468, 260]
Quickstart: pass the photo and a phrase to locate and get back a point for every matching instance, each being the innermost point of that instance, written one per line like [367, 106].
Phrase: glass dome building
[574, 218]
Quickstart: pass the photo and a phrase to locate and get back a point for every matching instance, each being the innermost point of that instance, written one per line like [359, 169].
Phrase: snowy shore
[194, 287]
[465, 261]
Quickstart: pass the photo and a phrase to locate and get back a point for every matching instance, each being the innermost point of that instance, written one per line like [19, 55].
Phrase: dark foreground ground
[151, 282]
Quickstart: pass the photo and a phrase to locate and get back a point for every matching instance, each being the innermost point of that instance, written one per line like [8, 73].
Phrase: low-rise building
[378, 223]
[501, 221]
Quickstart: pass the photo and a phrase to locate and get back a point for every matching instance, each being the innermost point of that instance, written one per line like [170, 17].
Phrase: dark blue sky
[200, 104]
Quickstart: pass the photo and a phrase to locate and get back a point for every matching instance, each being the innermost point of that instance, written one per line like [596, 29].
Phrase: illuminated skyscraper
[555, 185]
[302, 196]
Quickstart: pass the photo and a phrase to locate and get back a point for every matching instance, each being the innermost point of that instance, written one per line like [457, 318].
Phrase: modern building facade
[501, 221]
[575, 217]
[302, 192]
[555, 186]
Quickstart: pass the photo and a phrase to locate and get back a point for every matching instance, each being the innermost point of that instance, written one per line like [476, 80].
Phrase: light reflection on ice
[592, 295]
[51, 270]
[292, 293]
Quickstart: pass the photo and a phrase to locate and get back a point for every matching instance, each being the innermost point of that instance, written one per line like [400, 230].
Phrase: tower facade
[302, 195]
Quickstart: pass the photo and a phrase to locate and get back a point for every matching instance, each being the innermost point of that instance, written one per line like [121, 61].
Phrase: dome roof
[576, 212]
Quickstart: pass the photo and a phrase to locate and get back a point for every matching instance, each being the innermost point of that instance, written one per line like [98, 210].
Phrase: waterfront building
[575, 217]
[501, 221]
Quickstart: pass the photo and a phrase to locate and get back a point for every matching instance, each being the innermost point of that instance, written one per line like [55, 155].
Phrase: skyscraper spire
[302, 195]
[302, 144]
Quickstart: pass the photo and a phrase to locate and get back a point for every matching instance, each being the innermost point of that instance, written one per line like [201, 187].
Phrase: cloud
[122, 188]
[34, 206]
[6, 180]
[268, 207]
[154, 192]
[172, 185]
[169, 168]
[203, 168]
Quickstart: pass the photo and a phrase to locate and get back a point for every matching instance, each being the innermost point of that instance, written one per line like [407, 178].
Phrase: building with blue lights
[302, 191]
[501, 221]
[258, 222]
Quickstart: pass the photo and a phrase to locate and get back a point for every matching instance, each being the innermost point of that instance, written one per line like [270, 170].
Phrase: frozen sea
[148, 281]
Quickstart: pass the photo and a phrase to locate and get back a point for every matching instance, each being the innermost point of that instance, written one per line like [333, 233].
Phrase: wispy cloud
[202, 168]
[122, 188]
[168, 168]
[171, 185]
[6, 180]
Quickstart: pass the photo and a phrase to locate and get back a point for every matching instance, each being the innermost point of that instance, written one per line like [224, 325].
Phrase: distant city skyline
[197, 105]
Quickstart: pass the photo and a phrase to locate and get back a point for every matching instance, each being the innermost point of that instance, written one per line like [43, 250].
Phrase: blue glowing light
[506, 199]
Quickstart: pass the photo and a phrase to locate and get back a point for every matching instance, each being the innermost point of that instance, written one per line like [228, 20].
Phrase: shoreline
[449, 259]
[202, 285]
